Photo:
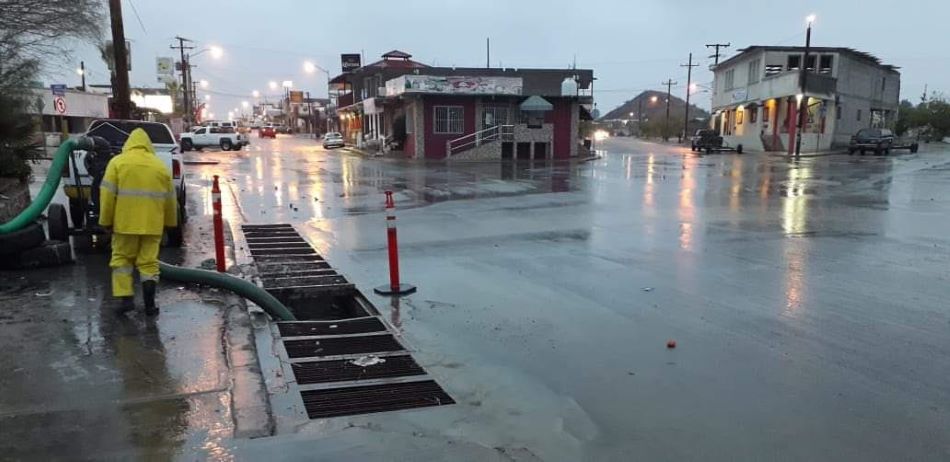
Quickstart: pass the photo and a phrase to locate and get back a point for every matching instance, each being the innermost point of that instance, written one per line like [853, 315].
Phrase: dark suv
[878, 140]
[705, 139]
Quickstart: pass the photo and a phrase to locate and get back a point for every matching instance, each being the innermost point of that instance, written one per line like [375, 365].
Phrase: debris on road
[648, 289]
[671, 344]
[370, 360]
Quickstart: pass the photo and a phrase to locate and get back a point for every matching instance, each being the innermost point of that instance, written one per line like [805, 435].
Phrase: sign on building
[296, 97]
[459, 85]
[60, 104]
[164, 66]
[58, 89]
[350, 62]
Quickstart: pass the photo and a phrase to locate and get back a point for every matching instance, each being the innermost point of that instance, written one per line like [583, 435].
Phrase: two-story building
[757, 94]
[464, 113]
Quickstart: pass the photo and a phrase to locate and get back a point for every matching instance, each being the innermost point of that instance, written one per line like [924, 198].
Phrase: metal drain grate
[341, 346]
[298, 274]
[287, 258]
[307, 281]
[342, 370]
[348, 326]
[373, 398]
[257, 252]
[279, 245]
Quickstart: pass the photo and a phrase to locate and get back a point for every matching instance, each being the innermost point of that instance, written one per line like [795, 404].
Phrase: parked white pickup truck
[203, 137]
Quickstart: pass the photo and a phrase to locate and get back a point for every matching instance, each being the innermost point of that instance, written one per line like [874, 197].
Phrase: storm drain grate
[373, 398]
[334, 346]
[342, 370]
[342, 327]
[323, 353]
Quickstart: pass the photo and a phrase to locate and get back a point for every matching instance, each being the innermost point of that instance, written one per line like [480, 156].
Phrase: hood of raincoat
[138, 142]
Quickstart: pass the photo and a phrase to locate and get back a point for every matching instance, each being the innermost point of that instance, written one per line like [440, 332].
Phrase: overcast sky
[630, 45]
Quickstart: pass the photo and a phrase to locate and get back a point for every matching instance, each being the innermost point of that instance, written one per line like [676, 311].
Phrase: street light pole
[803, 104]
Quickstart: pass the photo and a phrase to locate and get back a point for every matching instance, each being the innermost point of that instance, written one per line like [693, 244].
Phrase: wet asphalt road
[808, 298]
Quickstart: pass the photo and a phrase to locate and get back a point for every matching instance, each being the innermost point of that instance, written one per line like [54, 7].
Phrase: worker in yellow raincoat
[137, 201]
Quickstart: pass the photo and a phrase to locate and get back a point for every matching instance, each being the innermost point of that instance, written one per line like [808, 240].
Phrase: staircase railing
[488, 135]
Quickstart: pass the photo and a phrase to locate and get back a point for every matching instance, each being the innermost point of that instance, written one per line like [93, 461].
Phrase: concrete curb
[250, 406]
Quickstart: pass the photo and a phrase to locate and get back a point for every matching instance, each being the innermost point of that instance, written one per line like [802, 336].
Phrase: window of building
[739, 117]
[794, 62]
[859, 115]
[729, 80]
[772, 69]
[753, 114]
[838, 112]
[810, 63]
[754, 68]
[448, 120]
[494, 115]
[825, 64]
[533, 119]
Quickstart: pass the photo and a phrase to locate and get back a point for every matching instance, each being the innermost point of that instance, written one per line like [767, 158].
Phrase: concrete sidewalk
[80, 382]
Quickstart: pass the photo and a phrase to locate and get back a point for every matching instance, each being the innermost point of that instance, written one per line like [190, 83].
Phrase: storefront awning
[536, 103]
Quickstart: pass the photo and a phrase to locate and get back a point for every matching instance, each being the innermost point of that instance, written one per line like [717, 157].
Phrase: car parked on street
[333, 140]
[879, 140]
[85, 169]
[267, 131]
[224, 137]
[704, 139]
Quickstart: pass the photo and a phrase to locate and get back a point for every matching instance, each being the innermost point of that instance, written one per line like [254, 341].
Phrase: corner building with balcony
[756, 96]
[464, 113]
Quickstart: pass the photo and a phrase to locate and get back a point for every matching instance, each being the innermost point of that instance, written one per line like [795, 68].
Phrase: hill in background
[653, 110]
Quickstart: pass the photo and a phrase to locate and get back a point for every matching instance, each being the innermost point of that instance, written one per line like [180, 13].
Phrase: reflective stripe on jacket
[136, 195]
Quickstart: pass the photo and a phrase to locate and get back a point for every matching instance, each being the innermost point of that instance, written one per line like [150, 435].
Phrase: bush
[18, 134]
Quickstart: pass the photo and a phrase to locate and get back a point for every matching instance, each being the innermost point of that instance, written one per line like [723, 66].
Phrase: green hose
[33, 211]
[239, 286]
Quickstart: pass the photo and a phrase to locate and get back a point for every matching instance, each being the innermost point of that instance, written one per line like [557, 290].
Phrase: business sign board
[164, 66]
[454, 85]
[296, 97]
[350, 62]
[58, 89]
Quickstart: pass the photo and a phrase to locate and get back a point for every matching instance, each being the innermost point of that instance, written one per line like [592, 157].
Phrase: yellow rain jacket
[136, 195]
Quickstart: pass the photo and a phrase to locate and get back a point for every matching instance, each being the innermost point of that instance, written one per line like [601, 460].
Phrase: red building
[464, 113]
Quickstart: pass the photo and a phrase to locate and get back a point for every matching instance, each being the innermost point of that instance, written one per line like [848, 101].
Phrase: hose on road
[261, 297]
[53, 176]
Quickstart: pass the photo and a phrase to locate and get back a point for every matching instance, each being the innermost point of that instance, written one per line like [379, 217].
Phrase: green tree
[33, 34]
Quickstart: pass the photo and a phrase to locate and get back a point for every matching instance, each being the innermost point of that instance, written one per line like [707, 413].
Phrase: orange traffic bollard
[394, 287]
[218, 226]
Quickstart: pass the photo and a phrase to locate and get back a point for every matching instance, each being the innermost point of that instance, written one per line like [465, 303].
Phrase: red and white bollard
[218, 226]
[394, 287]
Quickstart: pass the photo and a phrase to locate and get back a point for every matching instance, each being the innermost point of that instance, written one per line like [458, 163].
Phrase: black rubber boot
[148, 293]
[125, 305]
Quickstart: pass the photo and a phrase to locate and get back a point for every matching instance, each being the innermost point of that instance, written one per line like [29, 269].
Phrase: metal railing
[488, 135]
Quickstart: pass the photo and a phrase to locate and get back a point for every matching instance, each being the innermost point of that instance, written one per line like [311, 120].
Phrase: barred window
[449, 120]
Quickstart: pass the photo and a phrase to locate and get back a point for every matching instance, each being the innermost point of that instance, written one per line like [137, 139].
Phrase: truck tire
[186, 145]
[738, 149]
[49, 253]
[57, 223]
[226, 145]
[913, 148]
[76, 214]
[850, 151]
[175, 237]
[24, 238]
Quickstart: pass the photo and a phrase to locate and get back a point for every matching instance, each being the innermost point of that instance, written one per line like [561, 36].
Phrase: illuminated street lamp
[653, 99]
[207, 97]
[272, 84]
[256, 94]
[244, 104]
[216, 51]
[204, 83]
[309, 67]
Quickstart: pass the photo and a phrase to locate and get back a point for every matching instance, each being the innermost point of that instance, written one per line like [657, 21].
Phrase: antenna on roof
[574, 63]
[487, 52]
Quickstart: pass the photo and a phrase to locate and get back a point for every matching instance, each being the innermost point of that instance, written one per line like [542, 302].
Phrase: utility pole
[803, 104]
[185, 69]
[640, 116]
[120, 91]
[717, 46]
[923, 97]
[666, 126]
[82, 73]
[689, 80]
